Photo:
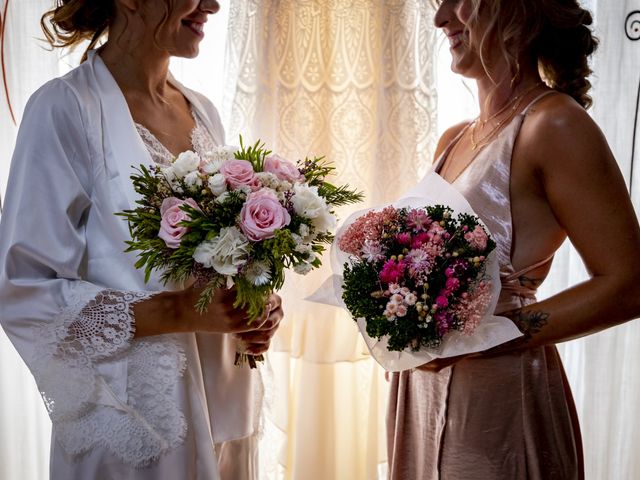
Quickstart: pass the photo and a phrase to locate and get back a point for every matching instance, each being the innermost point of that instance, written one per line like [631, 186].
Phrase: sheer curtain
[603, 368]
[353, 81]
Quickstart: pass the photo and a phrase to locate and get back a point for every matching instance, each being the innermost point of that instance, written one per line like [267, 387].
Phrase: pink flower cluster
[400, 299]
[472, 307]
[368, 227]
[477, 238]
[429, 267]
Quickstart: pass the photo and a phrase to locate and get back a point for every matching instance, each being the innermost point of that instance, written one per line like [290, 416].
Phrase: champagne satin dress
[501, 417]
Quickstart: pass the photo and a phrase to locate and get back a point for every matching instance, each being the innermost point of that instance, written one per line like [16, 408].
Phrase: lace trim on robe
[95, 329]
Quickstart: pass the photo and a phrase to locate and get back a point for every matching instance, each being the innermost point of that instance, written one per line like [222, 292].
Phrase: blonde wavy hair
[554, 33]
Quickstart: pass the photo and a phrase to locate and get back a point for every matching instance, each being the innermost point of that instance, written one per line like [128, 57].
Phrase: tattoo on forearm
[529, 322]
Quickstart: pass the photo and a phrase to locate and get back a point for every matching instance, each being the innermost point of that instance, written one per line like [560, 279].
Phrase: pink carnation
[477, 238]
[403, 238]
[419, 239]
[172, 215]
[442, 301]
[392, 271]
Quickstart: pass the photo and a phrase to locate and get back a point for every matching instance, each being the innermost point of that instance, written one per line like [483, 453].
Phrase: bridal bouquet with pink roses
[235, 217]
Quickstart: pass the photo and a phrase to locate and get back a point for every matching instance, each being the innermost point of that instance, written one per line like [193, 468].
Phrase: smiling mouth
[455, 40]
[195, 27]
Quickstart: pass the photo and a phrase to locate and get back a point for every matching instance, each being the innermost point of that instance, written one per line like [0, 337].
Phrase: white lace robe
[152, 408]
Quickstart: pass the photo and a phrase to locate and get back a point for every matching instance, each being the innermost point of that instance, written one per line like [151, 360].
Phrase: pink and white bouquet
[236, 217]
[416, 274]
[420, 277]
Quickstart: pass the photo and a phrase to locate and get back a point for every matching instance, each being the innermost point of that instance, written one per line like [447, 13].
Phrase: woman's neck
[140, 72]
[494, 94]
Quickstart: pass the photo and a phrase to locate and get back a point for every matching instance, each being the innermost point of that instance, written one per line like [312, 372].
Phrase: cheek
[463, 11]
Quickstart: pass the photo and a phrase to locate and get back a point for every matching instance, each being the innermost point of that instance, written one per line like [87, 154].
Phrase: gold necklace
[513, 105]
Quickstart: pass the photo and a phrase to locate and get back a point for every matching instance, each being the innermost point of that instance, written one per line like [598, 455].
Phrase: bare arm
[587, 196]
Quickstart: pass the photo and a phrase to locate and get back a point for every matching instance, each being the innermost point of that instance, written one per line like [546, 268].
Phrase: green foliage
[255, 154]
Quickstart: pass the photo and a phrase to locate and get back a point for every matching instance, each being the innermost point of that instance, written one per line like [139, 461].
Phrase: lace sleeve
[91, 401]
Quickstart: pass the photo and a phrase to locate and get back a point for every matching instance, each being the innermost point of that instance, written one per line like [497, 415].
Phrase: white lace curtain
[353, 81]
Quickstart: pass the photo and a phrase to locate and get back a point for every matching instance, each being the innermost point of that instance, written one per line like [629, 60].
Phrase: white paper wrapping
[492, 330]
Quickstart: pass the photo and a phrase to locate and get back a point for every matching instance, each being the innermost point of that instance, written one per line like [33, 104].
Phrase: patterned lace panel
[96, 328]
[201, 141]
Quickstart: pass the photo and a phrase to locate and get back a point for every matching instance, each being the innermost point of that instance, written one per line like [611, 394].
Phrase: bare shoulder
[448, 136]
[559, 132]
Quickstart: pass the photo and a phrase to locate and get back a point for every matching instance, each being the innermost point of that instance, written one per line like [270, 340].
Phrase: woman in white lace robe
[137, 385]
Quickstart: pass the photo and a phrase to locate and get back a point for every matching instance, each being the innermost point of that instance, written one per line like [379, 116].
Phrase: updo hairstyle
[555, 33]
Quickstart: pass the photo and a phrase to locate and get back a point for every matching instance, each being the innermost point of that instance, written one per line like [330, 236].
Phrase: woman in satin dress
[536, 169]
[138, 385]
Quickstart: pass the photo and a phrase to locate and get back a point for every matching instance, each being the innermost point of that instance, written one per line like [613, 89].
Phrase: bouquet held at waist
[237, 217]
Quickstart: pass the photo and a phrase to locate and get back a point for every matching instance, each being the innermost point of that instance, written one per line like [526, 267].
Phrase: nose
[443, 14]
[209, 6]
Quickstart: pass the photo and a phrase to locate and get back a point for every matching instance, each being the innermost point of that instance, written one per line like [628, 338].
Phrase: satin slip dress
[500, 417]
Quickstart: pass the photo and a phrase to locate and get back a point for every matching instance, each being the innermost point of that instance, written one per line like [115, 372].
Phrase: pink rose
[238, 173]
[262, 214]
[283, 169]
[170, 229]
[477, 238]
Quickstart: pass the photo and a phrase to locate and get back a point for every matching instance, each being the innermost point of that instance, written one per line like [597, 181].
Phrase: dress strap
[530, 268]
[511, 282]
[535, 100]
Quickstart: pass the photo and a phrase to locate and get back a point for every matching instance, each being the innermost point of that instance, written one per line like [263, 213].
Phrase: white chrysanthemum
[186, 163]
[226, 253]
[308, 203]
[258, 273]
[193, 179]
[268, 179]
[213, 159]
[217, 184]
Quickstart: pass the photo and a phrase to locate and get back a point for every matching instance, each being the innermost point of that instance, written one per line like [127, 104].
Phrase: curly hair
[555, 33]
[71, 22]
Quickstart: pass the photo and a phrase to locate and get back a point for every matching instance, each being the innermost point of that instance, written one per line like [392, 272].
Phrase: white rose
[193, 179]
[217, 184]
[308, 203]
[186, 163]
[226, 253]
